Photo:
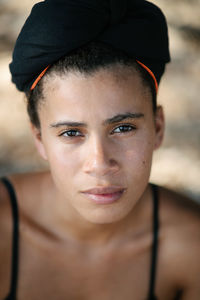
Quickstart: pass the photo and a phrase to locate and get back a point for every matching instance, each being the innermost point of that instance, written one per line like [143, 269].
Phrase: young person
[93, 227]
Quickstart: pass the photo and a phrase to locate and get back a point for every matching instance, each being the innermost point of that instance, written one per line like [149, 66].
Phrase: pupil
[125, 128]
[72, 132]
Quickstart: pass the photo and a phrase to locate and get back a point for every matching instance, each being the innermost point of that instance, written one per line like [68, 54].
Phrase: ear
[159, 126]
[38, 141]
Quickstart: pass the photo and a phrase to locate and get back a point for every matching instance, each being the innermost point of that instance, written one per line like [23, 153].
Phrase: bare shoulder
[5, 211]
[178, 209]
[27, 188]
[180, 241]
[6, 240]
[28, 182]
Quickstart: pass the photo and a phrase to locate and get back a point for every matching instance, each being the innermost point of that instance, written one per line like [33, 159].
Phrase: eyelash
[127, 126]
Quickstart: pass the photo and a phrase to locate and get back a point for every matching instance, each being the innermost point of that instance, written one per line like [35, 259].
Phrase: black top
[15, 242]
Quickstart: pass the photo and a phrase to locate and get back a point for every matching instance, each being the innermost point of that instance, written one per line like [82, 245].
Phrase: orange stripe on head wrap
[39, 77]
[140, 63]
[151, 73]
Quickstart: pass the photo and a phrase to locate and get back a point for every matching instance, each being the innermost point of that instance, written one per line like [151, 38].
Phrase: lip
[104, 195]
[104, 190]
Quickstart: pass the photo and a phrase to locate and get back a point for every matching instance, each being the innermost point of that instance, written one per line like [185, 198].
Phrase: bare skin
[72, 248]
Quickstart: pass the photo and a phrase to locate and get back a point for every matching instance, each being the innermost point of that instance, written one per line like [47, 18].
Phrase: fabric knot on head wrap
[56, 27]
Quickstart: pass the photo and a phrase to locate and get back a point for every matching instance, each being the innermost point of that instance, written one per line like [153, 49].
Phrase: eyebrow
[115, 119]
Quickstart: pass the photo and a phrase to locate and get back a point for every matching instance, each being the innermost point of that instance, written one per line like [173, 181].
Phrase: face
[98, 131]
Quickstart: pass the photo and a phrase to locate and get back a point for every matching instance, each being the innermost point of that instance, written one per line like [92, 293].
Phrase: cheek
[138, 158]
[62, 158]
[64, 166]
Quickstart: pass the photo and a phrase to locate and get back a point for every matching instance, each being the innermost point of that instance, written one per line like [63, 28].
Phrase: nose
[99, 159]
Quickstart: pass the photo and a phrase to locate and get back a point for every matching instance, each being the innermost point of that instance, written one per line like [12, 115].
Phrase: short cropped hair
[88, 59]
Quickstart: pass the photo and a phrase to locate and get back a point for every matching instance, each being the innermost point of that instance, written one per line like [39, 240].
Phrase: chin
[106, 215]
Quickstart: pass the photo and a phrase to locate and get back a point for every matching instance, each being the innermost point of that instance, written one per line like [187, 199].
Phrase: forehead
[105, 90]
[116, 73]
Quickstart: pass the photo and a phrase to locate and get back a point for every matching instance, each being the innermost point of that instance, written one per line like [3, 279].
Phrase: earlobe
[159, 127]
[38, 141]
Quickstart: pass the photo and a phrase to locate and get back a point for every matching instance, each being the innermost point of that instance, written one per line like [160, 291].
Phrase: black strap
[15, 239]
[155, 242]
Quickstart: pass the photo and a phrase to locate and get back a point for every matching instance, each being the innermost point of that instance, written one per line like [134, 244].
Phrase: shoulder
[6, 240]
[5, 211]
[178, 211]
[27, 182]
[180, 241]
[28, 188]
[31, 190]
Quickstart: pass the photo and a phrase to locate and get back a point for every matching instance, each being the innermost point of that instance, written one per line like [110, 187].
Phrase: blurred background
[177, 163]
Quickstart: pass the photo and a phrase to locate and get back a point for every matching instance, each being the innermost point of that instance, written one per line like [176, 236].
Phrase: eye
[71, 133]
[123, 129]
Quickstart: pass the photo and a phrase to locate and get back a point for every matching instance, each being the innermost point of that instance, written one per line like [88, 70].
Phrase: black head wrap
[56, 27]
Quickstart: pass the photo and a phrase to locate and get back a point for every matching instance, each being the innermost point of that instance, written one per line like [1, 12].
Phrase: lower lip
[104, 198]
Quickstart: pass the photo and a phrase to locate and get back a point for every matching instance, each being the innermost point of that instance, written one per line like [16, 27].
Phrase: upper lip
[104, 190]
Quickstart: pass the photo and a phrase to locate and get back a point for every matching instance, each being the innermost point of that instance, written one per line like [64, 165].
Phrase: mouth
[104, 195]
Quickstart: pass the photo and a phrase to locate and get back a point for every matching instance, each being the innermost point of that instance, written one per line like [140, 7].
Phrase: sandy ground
[177, 163]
